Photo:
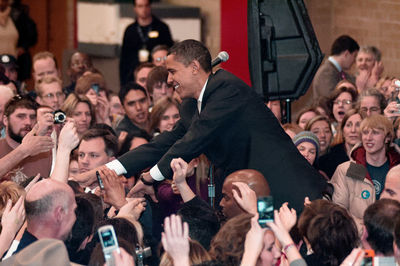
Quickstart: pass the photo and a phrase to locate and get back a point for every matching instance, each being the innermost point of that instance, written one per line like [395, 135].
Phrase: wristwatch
[147, 183]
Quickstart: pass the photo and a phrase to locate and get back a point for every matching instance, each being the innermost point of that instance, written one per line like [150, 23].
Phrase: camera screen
[108, 239]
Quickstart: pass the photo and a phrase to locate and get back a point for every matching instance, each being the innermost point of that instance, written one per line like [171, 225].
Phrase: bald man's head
[254, 179]
[392, 184]
[52, 203]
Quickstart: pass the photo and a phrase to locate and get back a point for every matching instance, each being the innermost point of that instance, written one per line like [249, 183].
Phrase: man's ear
[5, 120]
[58, 214]
[195, 66]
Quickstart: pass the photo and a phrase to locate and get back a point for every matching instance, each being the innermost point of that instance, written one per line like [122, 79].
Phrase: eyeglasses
[372, 109]
[344, 102]
[160, 59]
[51, 96]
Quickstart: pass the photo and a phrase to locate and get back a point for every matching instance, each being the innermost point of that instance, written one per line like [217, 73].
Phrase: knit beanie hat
[307, 136]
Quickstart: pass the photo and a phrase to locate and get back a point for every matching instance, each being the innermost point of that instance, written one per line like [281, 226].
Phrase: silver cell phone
[109, 243]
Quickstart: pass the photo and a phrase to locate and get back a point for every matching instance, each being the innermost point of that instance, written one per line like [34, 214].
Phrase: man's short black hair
[343, 43]
[127, 88]
[188, 50]
[110, 140]
[380, 220]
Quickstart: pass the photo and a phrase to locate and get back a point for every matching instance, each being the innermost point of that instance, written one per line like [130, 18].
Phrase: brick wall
[370, 22]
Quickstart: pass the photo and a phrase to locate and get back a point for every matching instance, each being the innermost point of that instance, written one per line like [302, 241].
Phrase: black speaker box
[284, 53]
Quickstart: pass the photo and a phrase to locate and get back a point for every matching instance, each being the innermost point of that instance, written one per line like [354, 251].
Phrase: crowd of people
[176, 164]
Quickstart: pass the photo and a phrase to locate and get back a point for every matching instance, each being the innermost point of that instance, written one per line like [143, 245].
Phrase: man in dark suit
[225, 119]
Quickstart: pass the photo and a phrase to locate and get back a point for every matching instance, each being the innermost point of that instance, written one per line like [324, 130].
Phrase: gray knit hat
[307, 136]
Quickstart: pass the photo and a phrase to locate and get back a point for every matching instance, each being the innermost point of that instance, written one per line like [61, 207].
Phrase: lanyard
[143, 38]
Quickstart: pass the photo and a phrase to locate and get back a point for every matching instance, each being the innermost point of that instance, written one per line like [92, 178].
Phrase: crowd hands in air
[51, 172]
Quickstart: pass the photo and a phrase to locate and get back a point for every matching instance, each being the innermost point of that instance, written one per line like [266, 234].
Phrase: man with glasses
[49, 91]
[159, 55]
[370, 102]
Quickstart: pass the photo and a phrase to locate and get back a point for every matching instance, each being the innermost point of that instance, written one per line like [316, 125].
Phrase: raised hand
[247, 199]
[175, 239]
[287, 216]
[13, 217]
[68, 138]
[253, 243]
[180, 168]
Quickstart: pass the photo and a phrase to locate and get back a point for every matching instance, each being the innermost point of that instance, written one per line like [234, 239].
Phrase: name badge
[143, 55]
[153, 34]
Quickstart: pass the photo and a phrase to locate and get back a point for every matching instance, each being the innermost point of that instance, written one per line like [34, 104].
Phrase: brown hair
[316, 119]
[72, 101]
[85, 82]
[19, 101]
[157, 75]
[46, 80]
[336, 93]
[197, 255]
[227, 246]
[305, 110]
[9, 191]
[293, 127]
[44, 55]
[159, 109]
[332, 235]
[378, 122]
[339, 138]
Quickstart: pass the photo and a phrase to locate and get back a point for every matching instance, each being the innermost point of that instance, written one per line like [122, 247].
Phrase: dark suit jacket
[236, 131]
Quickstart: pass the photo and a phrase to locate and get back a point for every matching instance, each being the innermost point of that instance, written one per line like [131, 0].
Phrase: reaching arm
[68, 140]
[180, 167]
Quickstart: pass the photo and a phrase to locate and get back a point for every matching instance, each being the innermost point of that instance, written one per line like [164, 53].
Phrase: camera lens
[59, 117]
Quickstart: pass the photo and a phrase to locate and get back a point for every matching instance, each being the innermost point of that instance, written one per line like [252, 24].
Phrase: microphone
[222, 57]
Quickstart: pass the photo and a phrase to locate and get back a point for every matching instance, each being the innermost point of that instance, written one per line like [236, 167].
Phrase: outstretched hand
[180, 168]
[133, 208]
[140, 189]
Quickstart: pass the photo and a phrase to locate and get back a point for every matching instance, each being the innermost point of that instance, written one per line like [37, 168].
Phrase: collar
[335, 63]
[200, 99]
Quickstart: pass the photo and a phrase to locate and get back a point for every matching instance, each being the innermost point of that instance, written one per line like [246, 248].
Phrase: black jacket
[235, 130]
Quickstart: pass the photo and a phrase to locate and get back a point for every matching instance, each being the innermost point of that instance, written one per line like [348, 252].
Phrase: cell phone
[265, 209]
[368, 259]
[109, 243]
[96, 88]
[99, 180]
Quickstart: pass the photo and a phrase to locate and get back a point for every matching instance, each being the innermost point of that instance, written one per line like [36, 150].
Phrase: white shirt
[154, 171]
[335, 63]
